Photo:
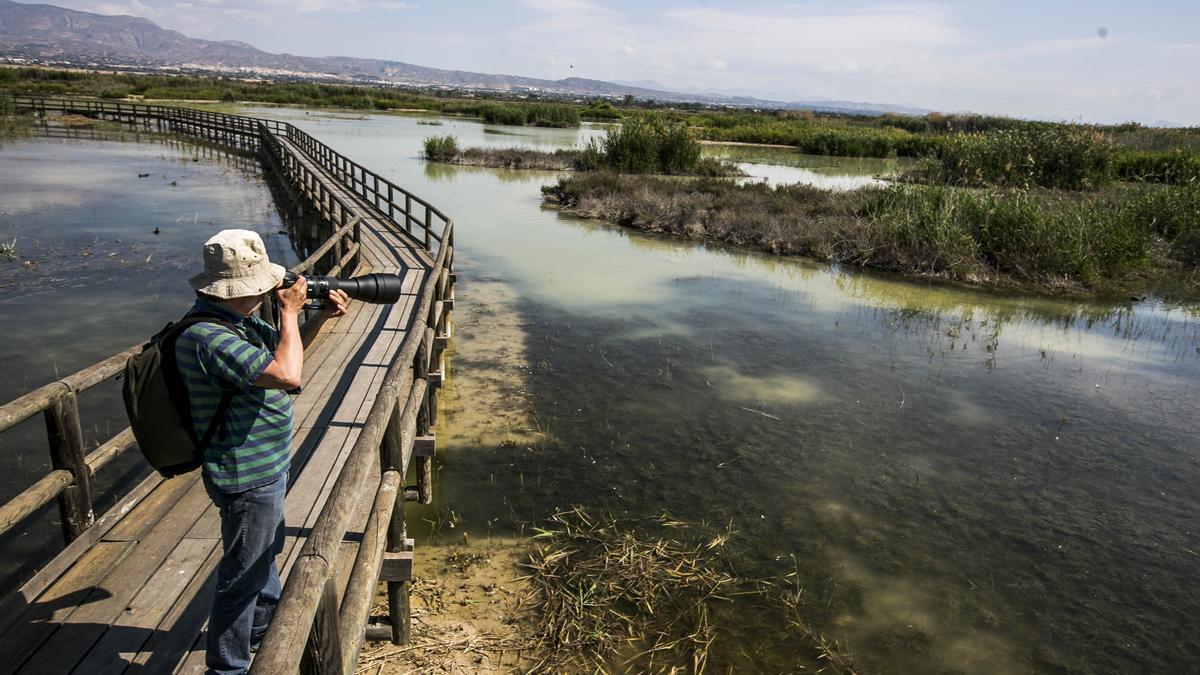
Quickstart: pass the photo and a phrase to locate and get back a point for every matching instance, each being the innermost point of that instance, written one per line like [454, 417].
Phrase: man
[246, 465]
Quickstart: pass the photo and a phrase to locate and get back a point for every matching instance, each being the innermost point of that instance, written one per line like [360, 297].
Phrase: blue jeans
[247, 580]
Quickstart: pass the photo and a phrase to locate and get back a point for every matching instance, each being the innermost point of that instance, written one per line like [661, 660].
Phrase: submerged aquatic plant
[9, 249]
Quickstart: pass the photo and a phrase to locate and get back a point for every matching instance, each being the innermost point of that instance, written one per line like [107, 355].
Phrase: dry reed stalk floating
[609, 600]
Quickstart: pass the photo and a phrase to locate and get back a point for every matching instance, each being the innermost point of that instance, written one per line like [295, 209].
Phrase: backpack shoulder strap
[174, 379]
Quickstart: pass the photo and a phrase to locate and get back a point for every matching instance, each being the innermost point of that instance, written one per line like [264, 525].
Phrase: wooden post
[395, 438]
[323, 652]
[66, 452]
[408, 217]
[425, 476]
[428, 228]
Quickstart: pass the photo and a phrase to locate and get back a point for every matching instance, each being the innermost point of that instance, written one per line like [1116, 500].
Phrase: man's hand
[335, 304]
[291, 300]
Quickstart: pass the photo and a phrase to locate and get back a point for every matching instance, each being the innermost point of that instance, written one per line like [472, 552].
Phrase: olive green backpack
[156, 402]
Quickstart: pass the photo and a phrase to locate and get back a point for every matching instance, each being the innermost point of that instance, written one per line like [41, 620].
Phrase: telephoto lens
[378, 288]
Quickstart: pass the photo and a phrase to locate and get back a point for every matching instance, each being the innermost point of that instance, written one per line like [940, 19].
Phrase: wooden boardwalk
[133, 596]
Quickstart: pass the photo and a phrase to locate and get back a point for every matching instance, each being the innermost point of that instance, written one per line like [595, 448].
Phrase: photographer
[245, 465]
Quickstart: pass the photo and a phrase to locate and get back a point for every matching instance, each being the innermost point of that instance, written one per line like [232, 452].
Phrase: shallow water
[785, 166]
[91, 278]
[962, 481]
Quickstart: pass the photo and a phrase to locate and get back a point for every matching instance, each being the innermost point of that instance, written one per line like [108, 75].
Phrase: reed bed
[1070, 159]
[1171, 167]
[1108, 242]
[649, 596]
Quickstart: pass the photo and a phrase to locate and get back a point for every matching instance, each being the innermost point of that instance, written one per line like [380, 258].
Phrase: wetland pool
[960, 480]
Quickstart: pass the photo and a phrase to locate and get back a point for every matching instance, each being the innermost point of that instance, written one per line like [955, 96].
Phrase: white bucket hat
[236, 266]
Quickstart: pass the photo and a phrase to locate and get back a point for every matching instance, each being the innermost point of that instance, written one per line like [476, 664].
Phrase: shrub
[441, 148]
[648, 144]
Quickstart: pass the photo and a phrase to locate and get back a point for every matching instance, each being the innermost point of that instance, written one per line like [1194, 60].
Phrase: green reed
[441, 148]
[1073, 159]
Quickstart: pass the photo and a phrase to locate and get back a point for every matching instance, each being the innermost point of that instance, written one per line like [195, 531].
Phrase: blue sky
[1044, 59]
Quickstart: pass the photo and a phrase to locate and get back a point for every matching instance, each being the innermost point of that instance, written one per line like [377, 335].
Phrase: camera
[378, 288]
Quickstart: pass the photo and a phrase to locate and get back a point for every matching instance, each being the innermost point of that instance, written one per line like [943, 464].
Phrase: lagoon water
[961, 481]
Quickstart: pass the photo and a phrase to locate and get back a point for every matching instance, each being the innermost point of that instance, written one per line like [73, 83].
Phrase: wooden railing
[398, 204]
[310, 626]
[379, 192]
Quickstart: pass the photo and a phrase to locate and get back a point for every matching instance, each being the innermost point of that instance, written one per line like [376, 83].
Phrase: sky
[1097, 61]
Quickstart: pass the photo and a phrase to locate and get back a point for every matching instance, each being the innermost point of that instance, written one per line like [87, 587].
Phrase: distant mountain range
[54, 35]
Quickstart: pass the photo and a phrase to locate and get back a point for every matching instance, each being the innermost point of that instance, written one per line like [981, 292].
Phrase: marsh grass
[649, 595]
[533, 114]
[517, 158]
[1172, 167]
[639, 147]
[1070, 159]
[12, 123]
[818, 138]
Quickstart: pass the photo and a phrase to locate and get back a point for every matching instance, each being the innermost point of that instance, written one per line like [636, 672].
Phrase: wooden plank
[108, 599]
[143, 517]
[178, 632]
[16, 602]
[43, 616]
[125, 637]
[396, 566]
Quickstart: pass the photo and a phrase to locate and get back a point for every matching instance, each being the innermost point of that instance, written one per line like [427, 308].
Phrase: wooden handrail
[301, 602]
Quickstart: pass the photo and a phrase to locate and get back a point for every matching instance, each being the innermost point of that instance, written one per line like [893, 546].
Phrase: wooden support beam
[378, 632]
[397, 565]
[424, 446]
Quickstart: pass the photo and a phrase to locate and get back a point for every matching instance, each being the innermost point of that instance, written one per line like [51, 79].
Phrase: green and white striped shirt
[252, 447]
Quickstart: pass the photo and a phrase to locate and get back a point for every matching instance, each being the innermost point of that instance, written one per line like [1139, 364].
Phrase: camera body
[376, 288]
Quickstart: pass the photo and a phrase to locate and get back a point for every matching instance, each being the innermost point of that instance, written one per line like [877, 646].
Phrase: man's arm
[286, 370]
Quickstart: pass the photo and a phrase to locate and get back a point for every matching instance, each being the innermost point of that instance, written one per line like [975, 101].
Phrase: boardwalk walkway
[134, 596]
